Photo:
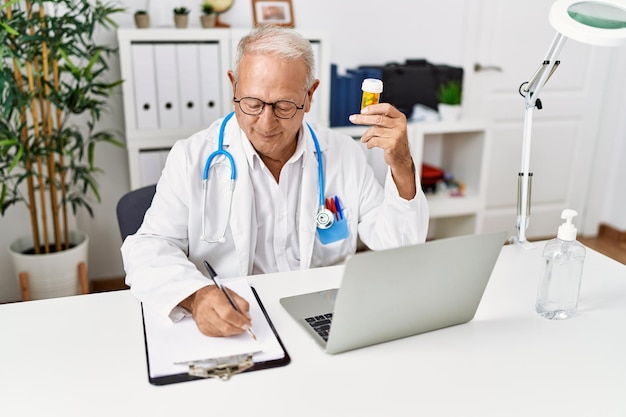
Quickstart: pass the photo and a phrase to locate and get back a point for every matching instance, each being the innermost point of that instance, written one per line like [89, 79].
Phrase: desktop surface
[85, 355]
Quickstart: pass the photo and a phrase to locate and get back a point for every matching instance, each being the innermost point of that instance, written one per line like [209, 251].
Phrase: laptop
[395, 293]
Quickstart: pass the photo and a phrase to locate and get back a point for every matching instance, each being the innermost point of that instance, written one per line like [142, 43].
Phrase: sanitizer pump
[559, 286]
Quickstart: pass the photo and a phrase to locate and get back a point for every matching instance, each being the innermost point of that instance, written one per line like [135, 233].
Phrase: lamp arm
[542, 75]
[531, 93]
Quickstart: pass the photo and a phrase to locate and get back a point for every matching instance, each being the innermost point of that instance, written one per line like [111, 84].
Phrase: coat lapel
[309, 201]
[243, 224]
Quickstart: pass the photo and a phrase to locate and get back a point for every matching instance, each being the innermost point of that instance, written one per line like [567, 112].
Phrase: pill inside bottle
[372, 88]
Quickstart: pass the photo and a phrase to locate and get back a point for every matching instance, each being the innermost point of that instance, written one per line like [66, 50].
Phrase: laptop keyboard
[321, 324]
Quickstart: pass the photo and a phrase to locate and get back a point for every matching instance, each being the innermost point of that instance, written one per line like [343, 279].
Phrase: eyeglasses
[283, 109]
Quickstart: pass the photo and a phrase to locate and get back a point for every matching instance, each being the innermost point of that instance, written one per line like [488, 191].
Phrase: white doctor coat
[164, 258]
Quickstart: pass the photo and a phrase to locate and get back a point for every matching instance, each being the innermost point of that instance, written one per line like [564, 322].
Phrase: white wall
[607, 199]
[615, 134]
[398, 29]
[362, 32]
[616, 197]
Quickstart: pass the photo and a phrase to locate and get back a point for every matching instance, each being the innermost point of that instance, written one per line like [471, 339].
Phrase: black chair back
[131, 209]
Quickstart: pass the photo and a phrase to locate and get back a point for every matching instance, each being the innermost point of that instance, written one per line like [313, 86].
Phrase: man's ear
[309, 94]
[233, 81]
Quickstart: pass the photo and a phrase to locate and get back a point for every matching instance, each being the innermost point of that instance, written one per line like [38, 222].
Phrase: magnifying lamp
[601, 23]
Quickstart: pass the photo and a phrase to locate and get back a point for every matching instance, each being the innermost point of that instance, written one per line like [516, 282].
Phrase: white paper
[171, 343]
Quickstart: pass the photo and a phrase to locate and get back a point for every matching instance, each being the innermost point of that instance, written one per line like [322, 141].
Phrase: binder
[167, 85]
[189, 79]
[335, 111]
[178, 352]
[145, 86]
[211, 81]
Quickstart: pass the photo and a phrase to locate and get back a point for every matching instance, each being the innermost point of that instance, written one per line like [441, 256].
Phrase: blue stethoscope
[324, 217]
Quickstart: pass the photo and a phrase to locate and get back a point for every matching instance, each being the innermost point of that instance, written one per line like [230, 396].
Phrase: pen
[339, 209]
[219, 285]
[330, 206]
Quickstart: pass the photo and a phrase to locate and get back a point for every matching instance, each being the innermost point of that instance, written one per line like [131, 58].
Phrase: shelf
[458, 126]
[447, 206]
[173, 35]
[159, 138]
[354, 131]
[459, 148]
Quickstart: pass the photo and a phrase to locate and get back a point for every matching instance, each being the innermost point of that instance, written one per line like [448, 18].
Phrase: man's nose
[267, 114]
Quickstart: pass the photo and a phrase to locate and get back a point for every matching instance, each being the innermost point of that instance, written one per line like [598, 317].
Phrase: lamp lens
[598, 15]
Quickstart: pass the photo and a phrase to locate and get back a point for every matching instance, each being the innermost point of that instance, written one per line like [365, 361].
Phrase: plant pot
[181, 20]
[207, 20]
[449, 112]
[142, 21]
[54, 274]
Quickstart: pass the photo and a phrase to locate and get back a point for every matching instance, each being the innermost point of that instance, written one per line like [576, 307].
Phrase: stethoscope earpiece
[324, 218]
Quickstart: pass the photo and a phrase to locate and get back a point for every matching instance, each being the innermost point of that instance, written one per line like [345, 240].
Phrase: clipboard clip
[222, 368]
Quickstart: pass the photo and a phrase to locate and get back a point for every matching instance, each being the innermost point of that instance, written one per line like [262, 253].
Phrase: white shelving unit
[459, 148]
[175, 84]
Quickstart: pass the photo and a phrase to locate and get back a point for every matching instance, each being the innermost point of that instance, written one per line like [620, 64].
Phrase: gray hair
[276, 40]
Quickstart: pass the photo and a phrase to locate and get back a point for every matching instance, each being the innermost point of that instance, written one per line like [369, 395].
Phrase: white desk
[84, 356]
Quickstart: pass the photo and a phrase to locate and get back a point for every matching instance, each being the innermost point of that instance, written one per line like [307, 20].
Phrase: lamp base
[513, 240]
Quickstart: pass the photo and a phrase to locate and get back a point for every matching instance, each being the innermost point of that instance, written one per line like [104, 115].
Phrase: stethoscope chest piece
[324, 218]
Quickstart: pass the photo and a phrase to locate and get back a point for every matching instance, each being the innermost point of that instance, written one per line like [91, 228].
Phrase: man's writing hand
[213, 313]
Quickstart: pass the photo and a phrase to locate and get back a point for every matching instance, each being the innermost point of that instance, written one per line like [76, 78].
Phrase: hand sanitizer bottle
[559, 287]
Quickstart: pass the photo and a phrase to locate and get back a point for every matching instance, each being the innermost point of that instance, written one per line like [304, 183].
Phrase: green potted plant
[142, 19]
[449, 97]
[181, 17]
[54, 83]
[208, 16]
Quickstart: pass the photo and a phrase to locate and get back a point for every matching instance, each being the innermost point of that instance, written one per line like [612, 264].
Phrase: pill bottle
[372, 88]
[559, 285]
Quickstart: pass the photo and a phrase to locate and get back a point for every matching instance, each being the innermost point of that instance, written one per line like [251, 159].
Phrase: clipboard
[178, 352]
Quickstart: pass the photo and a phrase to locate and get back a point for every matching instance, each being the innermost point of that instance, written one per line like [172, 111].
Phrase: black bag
[416, 82]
